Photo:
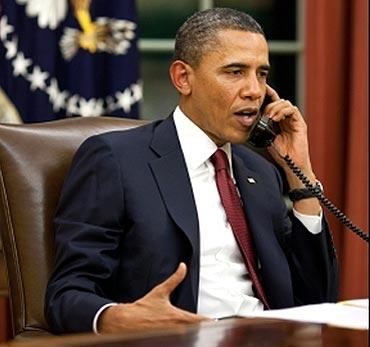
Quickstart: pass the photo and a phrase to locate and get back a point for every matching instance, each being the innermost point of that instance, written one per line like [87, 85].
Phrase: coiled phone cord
[324, 200]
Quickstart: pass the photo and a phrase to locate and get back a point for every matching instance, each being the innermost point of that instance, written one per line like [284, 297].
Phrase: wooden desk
[225, 333]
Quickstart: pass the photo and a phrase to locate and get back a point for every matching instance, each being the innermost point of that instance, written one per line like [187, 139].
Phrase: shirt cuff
[312, 223]
[97, 315]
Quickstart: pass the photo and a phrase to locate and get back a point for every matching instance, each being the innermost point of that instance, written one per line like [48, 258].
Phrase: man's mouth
[247, 115]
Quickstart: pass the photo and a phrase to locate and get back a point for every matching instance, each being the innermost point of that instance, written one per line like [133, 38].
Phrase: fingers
[169, 285]
[281, 109]
[271, 92]
[183, 316]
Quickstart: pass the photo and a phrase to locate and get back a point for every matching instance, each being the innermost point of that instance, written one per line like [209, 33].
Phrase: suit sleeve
[88, 230]
[313, 264]
[311, 258]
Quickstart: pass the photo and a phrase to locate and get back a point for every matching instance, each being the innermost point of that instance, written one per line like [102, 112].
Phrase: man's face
[228, 86]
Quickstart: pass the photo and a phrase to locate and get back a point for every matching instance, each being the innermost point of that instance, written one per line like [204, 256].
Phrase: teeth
[249, 114]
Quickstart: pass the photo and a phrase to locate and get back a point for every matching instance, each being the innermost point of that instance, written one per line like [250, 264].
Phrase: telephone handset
[263, 133]
[264, 130]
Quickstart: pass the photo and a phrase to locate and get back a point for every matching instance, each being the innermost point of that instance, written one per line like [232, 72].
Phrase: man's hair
[198, 34]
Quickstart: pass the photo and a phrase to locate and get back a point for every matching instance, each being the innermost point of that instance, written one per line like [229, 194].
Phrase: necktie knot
[219, 160]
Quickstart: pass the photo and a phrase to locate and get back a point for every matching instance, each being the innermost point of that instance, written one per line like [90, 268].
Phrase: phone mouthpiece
[263, 132]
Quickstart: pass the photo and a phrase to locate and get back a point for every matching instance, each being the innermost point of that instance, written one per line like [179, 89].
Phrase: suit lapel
[252, 192]
[274, 267]
[171, 175]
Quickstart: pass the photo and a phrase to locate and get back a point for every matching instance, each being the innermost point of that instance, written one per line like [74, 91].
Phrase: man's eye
[236, 72]
[263, 74]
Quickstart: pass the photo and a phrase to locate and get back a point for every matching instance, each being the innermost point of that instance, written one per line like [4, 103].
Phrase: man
[142, 235]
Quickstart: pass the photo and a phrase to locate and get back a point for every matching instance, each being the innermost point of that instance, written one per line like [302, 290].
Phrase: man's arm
[313, 264]
[89, 230]
[87, 237]
[292, 141]
[312, 257]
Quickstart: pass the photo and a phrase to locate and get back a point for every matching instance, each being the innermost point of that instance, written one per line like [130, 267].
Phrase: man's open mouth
[247, 112]
[247, 116]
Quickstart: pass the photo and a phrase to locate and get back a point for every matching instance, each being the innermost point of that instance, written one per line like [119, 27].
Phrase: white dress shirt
[224, 285]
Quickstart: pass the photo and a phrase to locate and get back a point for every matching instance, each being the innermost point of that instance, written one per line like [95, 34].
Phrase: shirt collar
[195, 143]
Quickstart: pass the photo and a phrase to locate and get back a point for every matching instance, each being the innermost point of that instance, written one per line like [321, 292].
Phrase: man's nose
[252, 88]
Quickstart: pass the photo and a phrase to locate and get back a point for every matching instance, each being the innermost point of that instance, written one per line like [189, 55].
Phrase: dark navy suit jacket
[127, 218]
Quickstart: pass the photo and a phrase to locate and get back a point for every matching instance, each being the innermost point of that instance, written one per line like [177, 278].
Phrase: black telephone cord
[325, 201]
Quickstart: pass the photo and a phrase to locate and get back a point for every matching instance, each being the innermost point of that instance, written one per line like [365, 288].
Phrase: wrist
[97, 317]
[109, 319]
[298, 194]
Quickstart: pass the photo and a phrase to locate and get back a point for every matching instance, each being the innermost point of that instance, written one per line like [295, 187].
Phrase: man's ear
[180, 74]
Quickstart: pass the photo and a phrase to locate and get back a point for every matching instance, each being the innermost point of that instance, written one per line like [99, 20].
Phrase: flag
[65, 58]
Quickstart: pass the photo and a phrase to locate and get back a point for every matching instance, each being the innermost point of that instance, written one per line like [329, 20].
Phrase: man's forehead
[229, 43]
[227, 33]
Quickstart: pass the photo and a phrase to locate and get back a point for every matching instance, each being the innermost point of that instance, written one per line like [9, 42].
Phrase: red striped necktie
[237, 219]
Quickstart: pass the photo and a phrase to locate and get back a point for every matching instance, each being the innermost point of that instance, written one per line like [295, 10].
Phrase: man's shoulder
[134, 136]
[137, 132]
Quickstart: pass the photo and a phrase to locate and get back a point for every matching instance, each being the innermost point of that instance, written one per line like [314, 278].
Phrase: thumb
[169, 285]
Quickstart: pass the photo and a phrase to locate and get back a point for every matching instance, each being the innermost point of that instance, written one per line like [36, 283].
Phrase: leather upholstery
[34, 159]
[3, 277]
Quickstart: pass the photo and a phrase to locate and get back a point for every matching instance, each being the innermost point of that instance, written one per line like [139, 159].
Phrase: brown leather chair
[34, 159]
[5, 326]
[3, 277]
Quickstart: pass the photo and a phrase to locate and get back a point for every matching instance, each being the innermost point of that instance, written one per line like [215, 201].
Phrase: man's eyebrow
[265, 67]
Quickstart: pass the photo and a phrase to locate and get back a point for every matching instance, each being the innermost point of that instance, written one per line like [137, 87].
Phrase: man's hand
[154, 310]
[292, 141]
[293, 137]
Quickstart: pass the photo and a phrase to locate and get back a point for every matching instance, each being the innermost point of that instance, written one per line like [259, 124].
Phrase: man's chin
[240, 139]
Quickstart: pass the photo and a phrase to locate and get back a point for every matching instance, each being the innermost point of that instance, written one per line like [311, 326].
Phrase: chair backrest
[34, 160]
